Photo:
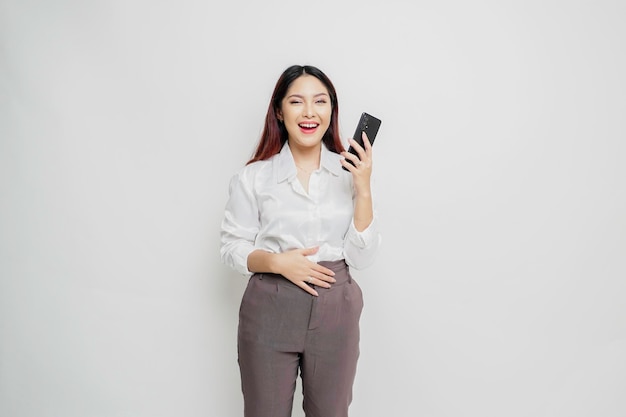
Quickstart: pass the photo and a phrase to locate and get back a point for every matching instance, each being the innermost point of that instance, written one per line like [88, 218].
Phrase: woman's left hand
[362, 168]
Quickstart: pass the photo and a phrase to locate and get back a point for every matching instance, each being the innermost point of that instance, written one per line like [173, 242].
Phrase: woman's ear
[279, 115]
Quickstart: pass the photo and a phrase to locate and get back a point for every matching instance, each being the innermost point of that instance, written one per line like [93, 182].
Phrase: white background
[500, 182]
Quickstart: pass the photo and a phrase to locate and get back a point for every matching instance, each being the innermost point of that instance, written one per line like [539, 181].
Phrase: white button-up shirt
[269, 209]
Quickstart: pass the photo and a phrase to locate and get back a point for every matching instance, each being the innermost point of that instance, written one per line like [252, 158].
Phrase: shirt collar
[285, 167]
[330, 161]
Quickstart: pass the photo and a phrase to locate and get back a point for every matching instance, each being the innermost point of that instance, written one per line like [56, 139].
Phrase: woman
[296, 222]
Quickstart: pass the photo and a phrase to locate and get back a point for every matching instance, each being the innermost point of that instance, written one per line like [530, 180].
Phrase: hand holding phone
[368, 124]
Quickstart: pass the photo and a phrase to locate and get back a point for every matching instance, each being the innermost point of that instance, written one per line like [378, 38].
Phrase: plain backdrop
[499, 177]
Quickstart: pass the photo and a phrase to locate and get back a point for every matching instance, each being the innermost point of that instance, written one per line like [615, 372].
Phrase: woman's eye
[321, 101]
[295, 102]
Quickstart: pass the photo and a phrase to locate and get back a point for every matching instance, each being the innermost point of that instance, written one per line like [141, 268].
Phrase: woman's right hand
[297, 268]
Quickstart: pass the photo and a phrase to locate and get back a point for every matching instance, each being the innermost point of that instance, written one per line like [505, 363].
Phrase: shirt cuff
[241, 260]
[364, 238]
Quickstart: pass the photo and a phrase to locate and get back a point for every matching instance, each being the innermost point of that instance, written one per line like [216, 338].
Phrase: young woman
[296, 222]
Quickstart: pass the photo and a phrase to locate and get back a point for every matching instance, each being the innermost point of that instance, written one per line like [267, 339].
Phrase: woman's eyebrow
[302, 96]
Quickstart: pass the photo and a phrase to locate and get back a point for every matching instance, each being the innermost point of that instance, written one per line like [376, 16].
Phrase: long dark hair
[275, 134]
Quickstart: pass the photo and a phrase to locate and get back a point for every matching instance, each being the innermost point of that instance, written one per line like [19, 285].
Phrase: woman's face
[306, 111]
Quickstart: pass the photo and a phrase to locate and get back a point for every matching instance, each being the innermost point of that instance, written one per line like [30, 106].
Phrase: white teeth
[308, 125]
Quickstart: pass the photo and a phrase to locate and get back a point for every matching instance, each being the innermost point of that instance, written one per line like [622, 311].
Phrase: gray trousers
[283, 330]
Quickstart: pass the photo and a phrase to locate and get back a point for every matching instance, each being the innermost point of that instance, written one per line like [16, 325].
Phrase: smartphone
[368, 124]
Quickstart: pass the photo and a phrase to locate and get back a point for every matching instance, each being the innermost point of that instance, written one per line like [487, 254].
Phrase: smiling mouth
[308, 127]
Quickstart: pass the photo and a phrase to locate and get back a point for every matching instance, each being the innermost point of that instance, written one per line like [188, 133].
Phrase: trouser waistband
[340, 268]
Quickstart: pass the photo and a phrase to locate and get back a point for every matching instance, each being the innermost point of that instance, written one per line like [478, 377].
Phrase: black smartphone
[368, 124]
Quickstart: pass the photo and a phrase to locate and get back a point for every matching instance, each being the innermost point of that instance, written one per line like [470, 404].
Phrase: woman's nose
[308, 110]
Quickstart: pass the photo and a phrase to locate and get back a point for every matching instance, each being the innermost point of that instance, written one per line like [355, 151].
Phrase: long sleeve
[360, 248]
[240, 225]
